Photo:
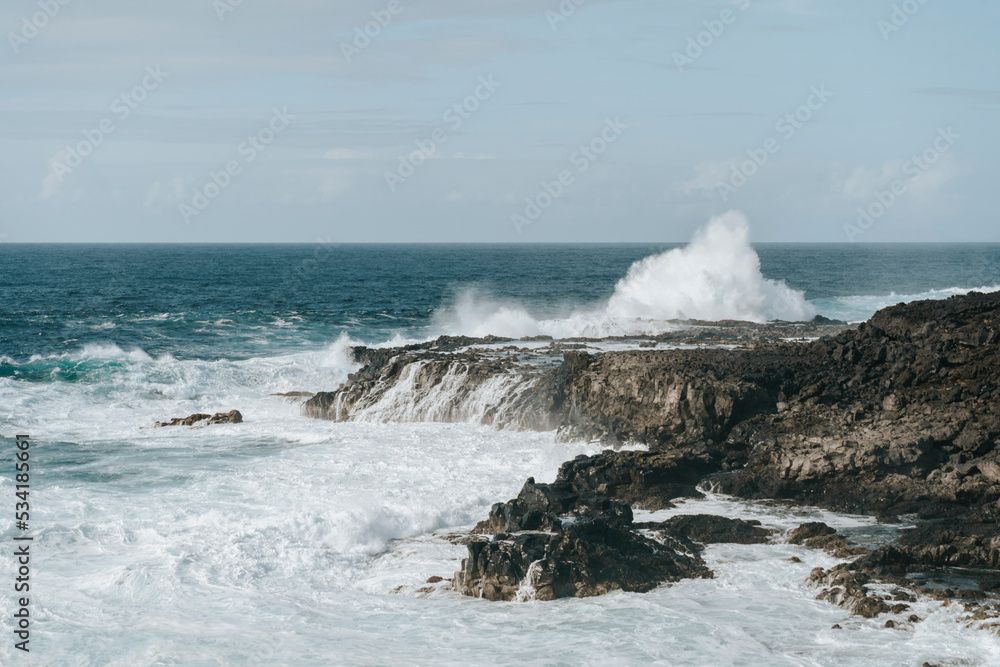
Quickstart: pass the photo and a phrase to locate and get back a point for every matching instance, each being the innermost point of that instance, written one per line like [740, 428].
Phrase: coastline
[894, 418]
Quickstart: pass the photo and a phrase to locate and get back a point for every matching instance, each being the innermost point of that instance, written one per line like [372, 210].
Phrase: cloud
[709, 175]
[865, 181]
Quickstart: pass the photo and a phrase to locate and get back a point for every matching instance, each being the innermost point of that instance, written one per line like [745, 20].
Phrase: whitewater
[288, 540]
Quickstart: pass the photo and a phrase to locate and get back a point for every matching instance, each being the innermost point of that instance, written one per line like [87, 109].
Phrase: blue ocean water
[239, 301]
[290, 541]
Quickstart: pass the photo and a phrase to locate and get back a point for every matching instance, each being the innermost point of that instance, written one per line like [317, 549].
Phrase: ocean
[287, 540]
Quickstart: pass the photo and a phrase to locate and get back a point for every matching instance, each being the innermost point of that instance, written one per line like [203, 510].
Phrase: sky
[512, 121]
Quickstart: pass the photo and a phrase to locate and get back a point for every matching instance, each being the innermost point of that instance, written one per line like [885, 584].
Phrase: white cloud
[865, 181]
[709, 175]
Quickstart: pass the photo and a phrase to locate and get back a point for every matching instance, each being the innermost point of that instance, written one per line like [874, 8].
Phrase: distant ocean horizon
[375, 292]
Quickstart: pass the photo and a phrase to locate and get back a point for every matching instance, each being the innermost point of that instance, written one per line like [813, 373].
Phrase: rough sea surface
[286, 540]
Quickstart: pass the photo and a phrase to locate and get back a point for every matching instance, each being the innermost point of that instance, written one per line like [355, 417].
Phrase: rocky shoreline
[898, 417]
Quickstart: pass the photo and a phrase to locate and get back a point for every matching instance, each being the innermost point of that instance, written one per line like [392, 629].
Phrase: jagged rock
[231, 417]
[575, 537]
[972, 543]
[847, 589]
[582, 559]
[817, 535]
[710, 529]
[647, 480]
[184, 421]
[540, 506]
[808, 531]
[898, 416]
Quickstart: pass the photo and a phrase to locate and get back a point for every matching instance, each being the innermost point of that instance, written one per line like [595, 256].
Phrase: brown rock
[810, 530]
[231, 417]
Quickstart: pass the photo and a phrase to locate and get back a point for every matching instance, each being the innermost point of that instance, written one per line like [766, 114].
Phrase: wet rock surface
[710, 529]
[575, 537]
[817, 535]
[897, 417]
[231, 417]
[587, 557]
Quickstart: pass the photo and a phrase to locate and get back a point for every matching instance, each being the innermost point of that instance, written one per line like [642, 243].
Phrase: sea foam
[715, 277]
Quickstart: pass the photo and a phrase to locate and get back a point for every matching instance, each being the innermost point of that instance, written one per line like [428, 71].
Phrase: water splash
[527, 592]
[715, 277]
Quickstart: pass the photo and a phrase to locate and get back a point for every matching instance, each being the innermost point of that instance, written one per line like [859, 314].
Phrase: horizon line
[468, 243]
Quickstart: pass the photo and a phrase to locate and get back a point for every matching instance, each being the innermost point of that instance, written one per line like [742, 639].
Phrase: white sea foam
[860, 308]
[110, 351]
[290, 540]
[715, 277]
[104, 391]
[456, 398]
[757, 610]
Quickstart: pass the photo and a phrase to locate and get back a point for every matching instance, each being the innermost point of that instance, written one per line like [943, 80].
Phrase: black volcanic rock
[578, 531]
[711, 529]
[584, 558]
[818, 535]
[231, 417]
[808, 531]
[898, 416]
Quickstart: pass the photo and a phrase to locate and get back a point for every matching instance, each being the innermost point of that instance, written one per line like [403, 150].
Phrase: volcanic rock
[231, 417]
[711, 529]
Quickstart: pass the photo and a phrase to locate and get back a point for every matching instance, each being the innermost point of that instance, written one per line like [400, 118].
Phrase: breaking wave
[715, 277]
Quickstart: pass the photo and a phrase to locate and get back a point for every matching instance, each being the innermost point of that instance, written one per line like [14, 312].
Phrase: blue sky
[308, 140]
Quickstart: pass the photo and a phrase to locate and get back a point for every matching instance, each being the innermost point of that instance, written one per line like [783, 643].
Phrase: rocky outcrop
[710, 529]
[849, 589]
[231, 417]
[652, 396]
[581, 558]
[575, 537]
[898, 416]
[817, 535]
[904, 420]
